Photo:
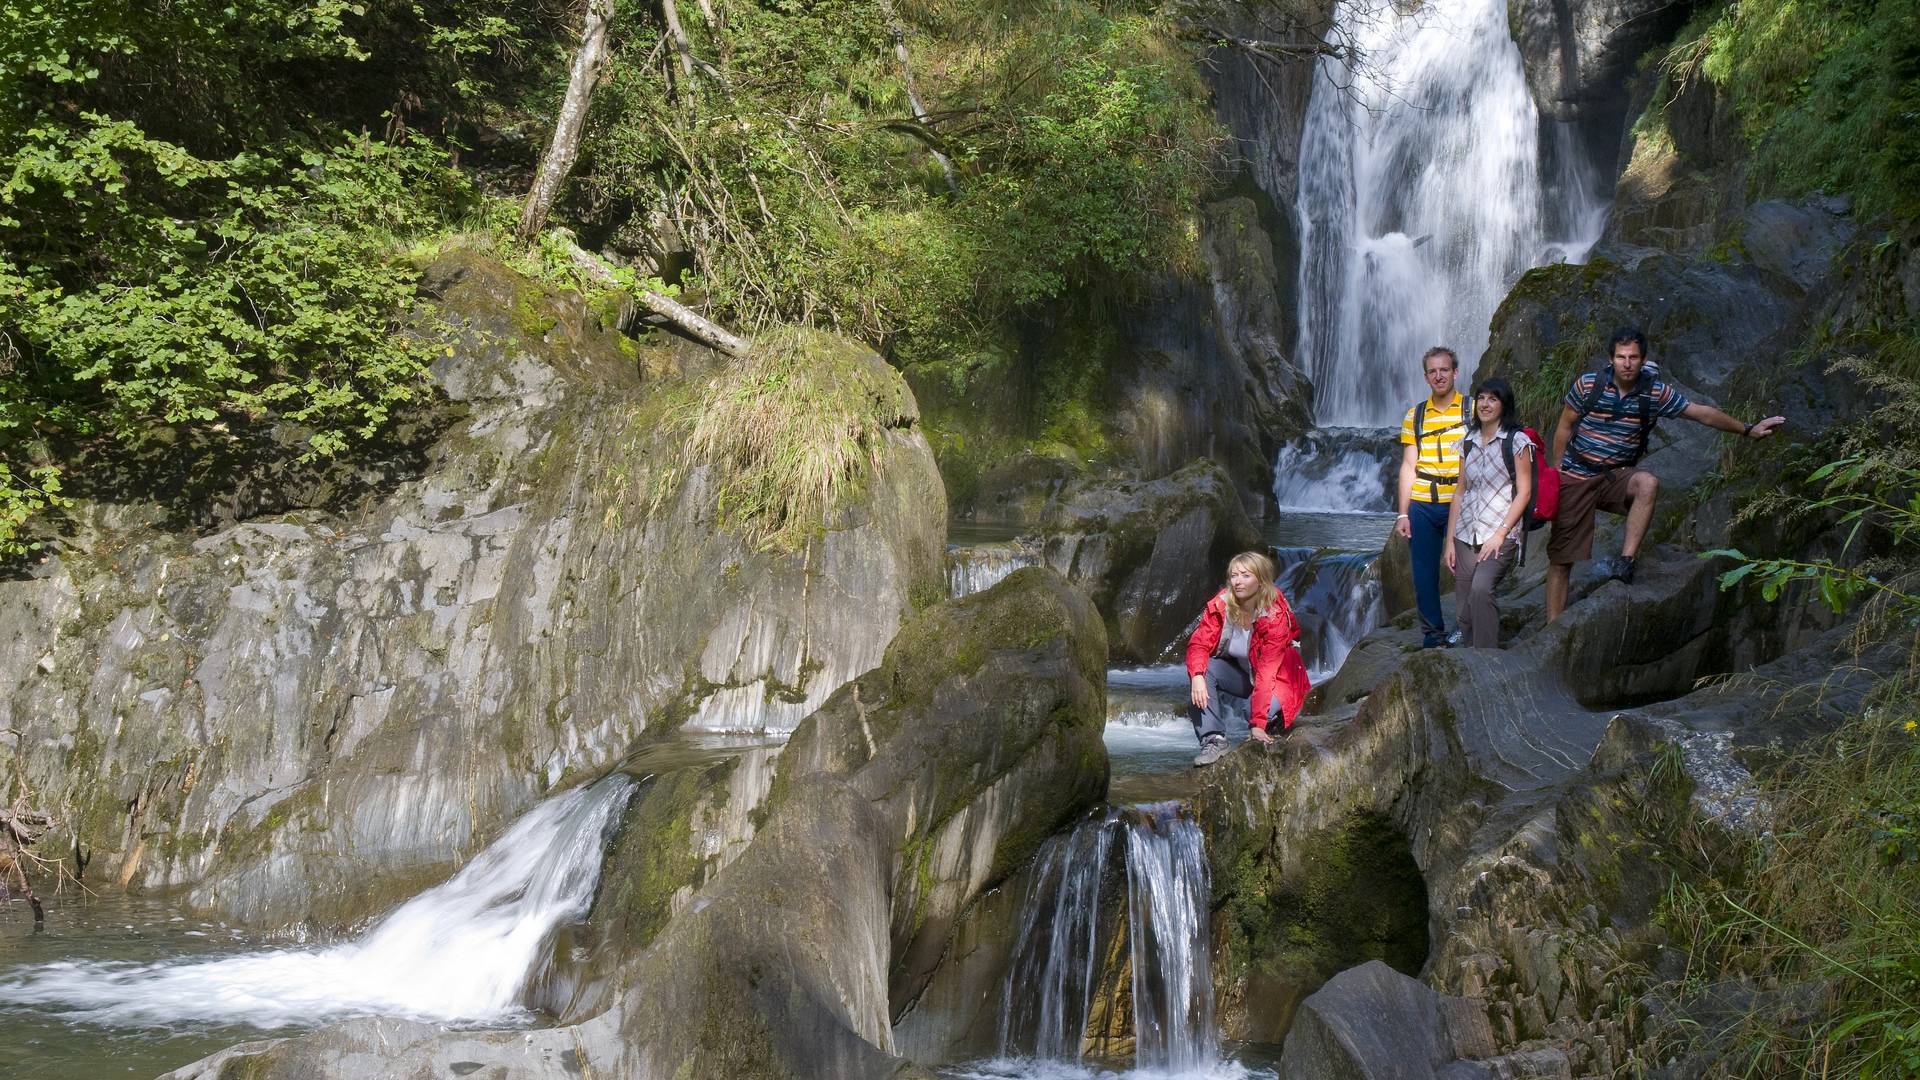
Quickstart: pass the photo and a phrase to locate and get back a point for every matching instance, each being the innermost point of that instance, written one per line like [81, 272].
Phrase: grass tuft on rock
[787, 435]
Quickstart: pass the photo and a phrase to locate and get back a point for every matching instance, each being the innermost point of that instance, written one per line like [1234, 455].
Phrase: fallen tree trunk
[696, 326]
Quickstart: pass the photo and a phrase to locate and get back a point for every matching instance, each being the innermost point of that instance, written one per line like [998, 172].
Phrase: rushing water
[461, 952]
[1063, 955]
[1421, 198]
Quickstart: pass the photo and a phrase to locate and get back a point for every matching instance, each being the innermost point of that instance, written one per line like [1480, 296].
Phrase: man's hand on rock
[1765, 427]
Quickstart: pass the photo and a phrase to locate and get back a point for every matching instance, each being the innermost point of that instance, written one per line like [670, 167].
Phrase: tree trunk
[681, 44]
[899, 33]
[692, 323]
[558, 162]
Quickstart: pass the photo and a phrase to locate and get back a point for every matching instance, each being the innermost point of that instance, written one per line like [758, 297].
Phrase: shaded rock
[913, 789]
[1149, 553]
[1798, 243]
[1372, 1022]
[306, 717]
[1579, 53]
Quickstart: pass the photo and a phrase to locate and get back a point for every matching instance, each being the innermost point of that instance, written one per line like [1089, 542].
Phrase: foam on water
[461, 952]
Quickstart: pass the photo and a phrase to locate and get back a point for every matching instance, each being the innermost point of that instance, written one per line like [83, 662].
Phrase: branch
[696, 326]
[913, 96]
[1280, 51]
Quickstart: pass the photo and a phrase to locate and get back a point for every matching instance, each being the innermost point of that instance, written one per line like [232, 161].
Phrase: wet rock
[1149, 553]
[305, 717]
[913, 789]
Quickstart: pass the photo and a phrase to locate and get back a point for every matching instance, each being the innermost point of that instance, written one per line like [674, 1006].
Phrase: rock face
[304, 716]
[913, 789]
[1579, 54]
[1150, 554]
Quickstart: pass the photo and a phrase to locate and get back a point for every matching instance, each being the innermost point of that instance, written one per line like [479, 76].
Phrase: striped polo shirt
[1609, 436]
[1438, 459]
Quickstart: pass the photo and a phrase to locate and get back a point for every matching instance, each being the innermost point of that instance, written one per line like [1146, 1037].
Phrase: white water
[1167, 898]
[1057, 958]
[1336, 596]
[978, 567]
[461, 952]
[1421, 199]
[1306, 476]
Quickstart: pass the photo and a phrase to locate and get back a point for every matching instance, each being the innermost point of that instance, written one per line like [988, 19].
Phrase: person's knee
[1643, 485]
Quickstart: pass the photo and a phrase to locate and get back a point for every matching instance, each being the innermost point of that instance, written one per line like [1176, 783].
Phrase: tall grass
[788, 434]
[1826, 910]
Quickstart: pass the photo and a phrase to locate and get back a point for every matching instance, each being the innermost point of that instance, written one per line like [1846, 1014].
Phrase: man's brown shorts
[1572, 536]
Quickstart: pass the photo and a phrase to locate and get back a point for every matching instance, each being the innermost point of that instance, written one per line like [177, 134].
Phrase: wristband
[1397, 517]
[1747, 434]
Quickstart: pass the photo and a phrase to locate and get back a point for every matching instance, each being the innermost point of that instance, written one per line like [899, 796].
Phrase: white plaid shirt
[1485, 493]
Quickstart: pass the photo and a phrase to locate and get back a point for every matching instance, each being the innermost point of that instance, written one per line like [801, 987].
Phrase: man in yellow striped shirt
[1429, 468]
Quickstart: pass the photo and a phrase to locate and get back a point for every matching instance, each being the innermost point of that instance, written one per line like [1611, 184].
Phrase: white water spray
[461, 952]
[1421, 199]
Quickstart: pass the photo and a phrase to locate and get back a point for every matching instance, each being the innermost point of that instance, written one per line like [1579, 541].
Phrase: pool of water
[54, 1043]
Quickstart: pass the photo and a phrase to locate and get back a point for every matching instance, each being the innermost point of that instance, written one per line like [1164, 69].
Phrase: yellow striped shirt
[1438, 459]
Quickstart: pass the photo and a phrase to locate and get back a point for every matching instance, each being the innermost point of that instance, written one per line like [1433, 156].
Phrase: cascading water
[976, 568]
[1336, 596]
[1421, 198]
[1167, 895]
[1061, 955]
[461, 952]
[1057, 954]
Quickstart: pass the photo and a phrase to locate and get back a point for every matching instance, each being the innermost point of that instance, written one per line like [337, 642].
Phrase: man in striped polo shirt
[1429, 468]
[1605, 420]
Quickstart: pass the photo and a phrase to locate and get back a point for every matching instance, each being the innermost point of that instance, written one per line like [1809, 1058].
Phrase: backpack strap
[1513, 477]
[1601, 380]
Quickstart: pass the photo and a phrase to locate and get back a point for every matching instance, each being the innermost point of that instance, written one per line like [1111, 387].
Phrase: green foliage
[807, 190]
[1826, 92]
[1834, 896]
[193, 238]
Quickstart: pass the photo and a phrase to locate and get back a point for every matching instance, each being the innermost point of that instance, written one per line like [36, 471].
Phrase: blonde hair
[1242, 614]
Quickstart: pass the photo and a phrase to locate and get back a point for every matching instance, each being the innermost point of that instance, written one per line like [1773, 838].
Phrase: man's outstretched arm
[1714, 418]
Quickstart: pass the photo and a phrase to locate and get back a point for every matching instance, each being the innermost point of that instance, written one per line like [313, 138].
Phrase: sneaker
[1453, 640]
[1623, 569]
[1212, 749]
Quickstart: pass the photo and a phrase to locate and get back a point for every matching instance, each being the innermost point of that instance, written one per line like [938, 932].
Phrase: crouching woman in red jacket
[1242, 653]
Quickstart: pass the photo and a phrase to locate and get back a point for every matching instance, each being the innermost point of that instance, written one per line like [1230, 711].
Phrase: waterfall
[1336, 596]
[1056, 956]
[1421, 198]
[976, 568]
[460, 952]
[1320, 475]
[1167, 898]
[1061, 955]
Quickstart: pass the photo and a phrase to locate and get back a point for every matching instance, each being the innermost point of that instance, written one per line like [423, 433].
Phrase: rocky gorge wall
[305, 715]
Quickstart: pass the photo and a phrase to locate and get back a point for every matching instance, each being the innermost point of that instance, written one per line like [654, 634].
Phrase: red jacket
[1278, 670]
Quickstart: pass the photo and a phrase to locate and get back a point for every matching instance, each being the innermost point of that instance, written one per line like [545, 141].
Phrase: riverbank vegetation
[206, 211]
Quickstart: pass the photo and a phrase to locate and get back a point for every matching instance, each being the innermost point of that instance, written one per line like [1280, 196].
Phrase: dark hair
[1500, 388]
[1627, 335]
[1439, 350]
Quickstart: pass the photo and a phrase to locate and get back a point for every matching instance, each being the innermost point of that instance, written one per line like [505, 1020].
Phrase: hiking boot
[1623, 569]
[1212, 749]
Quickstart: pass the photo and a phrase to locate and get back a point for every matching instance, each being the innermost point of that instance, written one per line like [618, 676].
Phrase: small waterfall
[1336, 596]
[1316, 475]
[1421, 198]
[1167, 898]
[976, 568]
[1062, 958]
[1057, 955]
[460, 952]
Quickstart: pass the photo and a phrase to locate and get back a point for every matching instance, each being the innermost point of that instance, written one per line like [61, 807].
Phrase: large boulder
[1151, 553]
[1372, 1021]
[912, 790]
[307, 714]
